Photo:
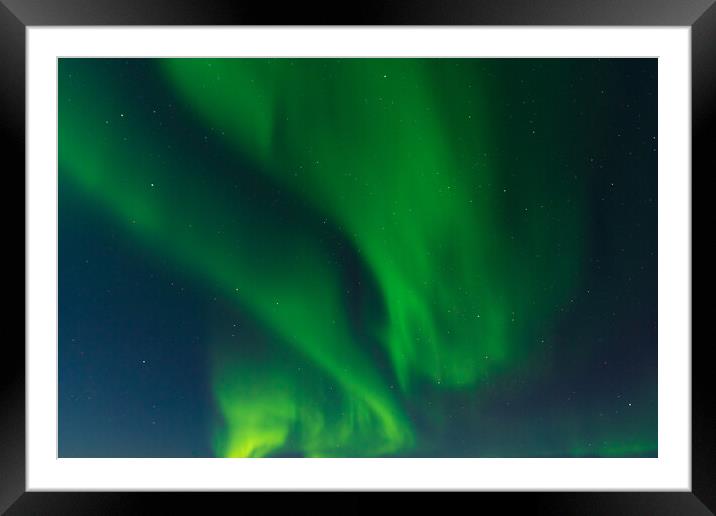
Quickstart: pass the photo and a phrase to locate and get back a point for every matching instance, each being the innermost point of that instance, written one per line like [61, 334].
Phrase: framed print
[427, 249]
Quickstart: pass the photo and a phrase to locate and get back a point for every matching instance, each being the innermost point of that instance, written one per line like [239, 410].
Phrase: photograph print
[357, 257]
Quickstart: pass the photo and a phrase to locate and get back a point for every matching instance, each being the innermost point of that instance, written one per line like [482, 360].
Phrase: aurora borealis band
[357, 257]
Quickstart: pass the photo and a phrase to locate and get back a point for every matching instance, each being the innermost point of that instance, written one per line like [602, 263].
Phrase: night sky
[357, 257]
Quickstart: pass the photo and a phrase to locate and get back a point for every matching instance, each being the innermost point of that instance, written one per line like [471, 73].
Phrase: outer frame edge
[12, 142]
[703, 121]
[12, 101]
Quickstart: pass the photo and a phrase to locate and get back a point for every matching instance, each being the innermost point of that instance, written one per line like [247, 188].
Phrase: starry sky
[357, 257]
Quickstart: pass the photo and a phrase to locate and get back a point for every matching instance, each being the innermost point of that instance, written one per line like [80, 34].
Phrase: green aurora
[420, 253]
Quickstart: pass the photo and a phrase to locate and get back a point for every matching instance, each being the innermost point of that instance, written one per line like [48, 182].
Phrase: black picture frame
[16, 15]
